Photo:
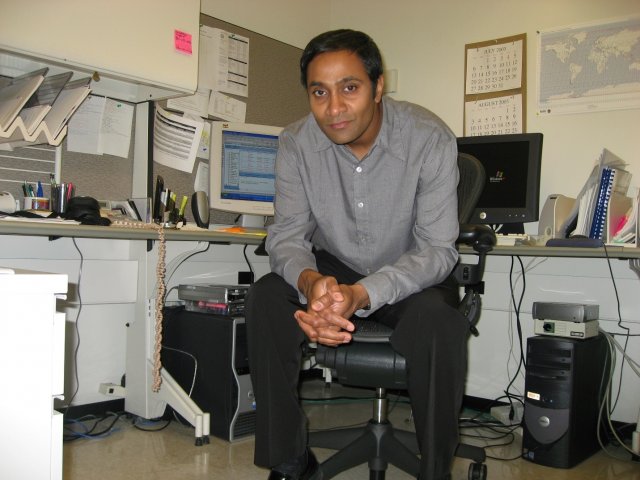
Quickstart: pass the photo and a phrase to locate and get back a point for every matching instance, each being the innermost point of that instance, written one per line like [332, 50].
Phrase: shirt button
[358, 169]
[360, 204]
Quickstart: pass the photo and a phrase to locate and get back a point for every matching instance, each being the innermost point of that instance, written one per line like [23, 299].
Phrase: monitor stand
[251, 221]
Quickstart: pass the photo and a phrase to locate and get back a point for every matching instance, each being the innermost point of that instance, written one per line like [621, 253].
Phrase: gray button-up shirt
[392, 216]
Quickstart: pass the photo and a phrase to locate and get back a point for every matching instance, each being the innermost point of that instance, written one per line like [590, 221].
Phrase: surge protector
[501, 414]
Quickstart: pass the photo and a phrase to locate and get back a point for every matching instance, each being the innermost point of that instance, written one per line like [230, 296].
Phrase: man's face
[342, 100]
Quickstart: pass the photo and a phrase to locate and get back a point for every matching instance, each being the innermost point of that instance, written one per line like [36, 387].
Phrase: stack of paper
[35, 108]
[601, 198]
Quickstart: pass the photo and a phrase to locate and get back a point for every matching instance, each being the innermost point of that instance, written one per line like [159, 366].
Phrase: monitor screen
[512, 166]
[242, 170]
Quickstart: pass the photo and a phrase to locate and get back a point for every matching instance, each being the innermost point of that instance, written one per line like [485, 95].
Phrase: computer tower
[564, 387]
[222, 385]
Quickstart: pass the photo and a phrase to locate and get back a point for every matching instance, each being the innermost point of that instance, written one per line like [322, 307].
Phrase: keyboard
[368, 331]
[512, 239]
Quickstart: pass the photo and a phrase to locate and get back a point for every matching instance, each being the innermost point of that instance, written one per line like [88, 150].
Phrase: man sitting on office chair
[365, 224]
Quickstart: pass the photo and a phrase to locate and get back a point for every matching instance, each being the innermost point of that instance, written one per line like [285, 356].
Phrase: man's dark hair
[357, 42]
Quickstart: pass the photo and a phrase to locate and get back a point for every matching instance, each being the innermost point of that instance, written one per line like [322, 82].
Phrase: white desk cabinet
[32, 373]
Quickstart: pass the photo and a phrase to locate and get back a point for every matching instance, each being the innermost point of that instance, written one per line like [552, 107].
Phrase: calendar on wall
[495, 86]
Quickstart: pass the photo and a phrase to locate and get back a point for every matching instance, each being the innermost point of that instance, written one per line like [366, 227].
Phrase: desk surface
[126, 233]
[542, 251]
[121, 233]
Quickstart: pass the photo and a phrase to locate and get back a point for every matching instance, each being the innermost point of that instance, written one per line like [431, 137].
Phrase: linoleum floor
[170, 454]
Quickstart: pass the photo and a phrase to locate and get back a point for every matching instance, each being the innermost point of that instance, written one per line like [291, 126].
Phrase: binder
[604, 194]
[613, 181]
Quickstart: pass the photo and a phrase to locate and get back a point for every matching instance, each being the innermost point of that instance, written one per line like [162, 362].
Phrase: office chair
[369, 361]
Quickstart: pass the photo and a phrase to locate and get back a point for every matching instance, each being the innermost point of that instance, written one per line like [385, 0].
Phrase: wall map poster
[495, 86]
[589, 67]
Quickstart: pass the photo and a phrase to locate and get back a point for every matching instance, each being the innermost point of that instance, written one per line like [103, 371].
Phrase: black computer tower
[222, 385]
[564, 387]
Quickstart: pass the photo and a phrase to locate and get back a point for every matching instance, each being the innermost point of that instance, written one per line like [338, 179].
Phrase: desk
[542, 251]
[140, 334]
[8, 227]
[553, 274]
[130, 348]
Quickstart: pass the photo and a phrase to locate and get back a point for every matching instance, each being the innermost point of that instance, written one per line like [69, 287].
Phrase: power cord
[77, 328]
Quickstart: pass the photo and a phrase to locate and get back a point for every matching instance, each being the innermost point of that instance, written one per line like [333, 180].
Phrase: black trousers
[428, 331]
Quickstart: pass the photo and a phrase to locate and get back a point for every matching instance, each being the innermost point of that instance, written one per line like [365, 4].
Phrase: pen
[40, 191]
[24, 189]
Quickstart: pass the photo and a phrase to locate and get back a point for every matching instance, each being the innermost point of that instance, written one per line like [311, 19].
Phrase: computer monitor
[512, 163]
[242, 170]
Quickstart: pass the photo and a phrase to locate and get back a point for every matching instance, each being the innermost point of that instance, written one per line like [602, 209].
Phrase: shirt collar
[389, 137]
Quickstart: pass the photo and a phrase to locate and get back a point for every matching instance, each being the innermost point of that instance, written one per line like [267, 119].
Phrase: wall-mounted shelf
[134, 51]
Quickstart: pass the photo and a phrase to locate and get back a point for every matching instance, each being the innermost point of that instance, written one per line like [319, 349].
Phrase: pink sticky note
[182, 42]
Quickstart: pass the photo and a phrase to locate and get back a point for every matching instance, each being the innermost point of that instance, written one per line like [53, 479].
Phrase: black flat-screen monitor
[512, 163]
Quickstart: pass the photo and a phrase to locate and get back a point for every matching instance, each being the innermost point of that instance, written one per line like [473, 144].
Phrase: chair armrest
[481, 238]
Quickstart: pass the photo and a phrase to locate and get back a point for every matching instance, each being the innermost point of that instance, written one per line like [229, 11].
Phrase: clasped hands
[329, 307]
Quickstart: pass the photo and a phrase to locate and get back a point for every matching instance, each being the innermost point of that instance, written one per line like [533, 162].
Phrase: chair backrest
[470, 186]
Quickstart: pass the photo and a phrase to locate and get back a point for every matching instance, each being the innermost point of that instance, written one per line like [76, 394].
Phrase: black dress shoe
[311, 472]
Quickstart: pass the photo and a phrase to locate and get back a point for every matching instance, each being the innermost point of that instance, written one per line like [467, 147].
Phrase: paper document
[115, 130]
[175, 140]
[223, 63]
[196, 104]
[84, 126]
[228, 108]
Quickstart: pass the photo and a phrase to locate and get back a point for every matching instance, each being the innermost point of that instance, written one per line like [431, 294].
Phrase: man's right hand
[330, 305]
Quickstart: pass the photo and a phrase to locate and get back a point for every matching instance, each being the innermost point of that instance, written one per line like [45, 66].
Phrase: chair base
[377, 444]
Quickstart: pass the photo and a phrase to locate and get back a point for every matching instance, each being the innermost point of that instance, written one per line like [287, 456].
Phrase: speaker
[220, 384]
[563, 390]
[554, 213]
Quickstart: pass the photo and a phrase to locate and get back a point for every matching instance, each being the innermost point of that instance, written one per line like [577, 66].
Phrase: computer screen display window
[242, 170]
[512, 165]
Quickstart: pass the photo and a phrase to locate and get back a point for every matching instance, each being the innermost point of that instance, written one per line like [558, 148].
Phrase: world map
[589, 67]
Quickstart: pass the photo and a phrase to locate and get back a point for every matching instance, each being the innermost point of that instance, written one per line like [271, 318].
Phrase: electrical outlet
[111, 389]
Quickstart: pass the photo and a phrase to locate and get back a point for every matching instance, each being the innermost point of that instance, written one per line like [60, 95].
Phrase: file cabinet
[32, 373]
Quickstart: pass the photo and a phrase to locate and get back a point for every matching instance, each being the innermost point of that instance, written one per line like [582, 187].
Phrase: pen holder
[60, 195]
[36, 203]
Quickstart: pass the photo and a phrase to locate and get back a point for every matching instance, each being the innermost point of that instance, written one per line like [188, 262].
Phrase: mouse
[200, 208]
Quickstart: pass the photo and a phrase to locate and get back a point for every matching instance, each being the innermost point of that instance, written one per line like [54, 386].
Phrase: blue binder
[602, 203]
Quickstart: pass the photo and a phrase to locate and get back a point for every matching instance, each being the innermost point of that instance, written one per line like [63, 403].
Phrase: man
[365, 224]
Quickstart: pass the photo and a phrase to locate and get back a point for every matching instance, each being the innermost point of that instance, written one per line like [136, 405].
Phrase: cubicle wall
[103, 273]
[275, 98]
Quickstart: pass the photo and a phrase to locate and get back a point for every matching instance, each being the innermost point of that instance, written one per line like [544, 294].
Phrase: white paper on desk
[175, 140]
[223, 62]
[227, 108]
[115, 132]
[195, 104]
[84, 126]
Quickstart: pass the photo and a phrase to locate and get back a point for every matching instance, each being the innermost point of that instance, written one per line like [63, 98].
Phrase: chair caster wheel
[477, 471]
